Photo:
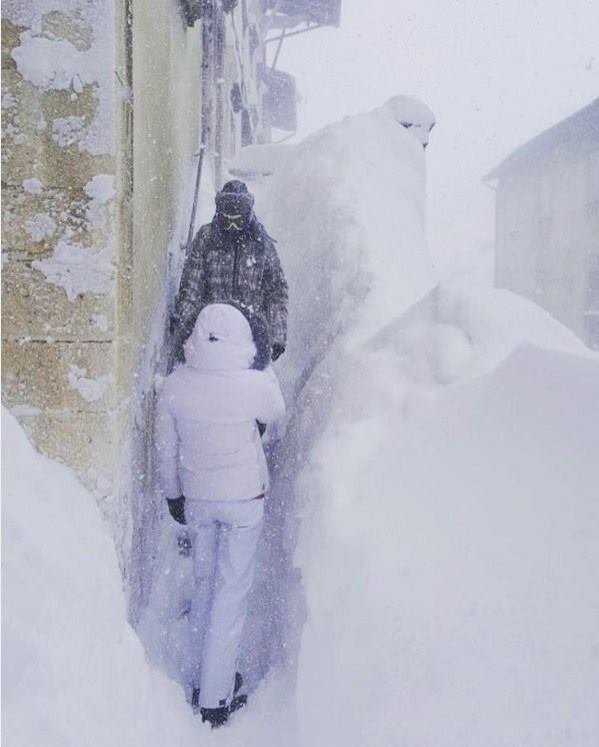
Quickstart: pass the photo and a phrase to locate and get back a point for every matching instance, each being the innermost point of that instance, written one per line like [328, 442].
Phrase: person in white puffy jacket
[214, 475]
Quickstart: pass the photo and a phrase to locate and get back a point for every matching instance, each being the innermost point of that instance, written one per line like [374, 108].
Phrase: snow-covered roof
[577, 126]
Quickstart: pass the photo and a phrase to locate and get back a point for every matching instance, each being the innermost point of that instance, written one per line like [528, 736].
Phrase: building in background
[119, 116]
[547, 222]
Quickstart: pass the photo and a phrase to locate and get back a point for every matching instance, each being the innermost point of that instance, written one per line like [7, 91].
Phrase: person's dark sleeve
[276, 295]
[176, 508]
[189, 297]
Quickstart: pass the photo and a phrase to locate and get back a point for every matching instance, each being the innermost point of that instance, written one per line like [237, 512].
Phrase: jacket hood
[221, 340]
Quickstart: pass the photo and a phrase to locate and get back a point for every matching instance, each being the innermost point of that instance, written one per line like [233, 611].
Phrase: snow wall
[332, 243]
[438, 470]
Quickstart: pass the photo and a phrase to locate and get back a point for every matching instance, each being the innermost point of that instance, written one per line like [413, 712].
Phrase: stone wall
[60, 216]
[88, 221]
[102, 105]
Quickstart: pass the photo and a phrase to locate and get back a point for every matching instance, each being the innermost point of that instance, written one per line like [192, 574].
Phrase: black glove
[277, 351]
[176, 507]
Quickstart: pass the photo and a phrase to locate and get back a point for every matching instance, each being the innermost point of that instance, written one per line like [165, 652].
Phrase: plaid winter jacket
[243, 268]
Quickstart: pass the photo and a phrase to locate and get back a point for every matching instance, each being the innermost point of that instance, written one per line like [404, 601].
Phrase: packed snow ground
[451, 563]
[429, 571]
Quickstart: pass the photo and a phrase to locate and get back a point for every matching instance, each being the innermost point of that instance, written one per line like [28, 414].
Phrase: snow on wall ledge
[444, 468]
[347, 206]
[70, 64]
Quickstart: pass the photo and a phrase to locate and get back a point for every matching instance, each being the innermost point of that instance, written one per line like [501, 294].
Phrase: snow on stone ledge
[33, 186]
[90, 389]
[51, 63]
[100, 188]
[78, 269]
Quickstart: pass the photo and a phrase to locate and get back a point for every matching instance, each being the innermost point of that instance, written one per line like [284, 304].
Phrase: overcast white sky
[496, 73]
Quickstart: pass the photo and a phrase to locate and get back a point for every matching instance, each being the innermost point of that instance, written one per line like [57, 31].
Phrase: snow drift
[441, 463]
[451, 562]
[347, 206]
[73, 671]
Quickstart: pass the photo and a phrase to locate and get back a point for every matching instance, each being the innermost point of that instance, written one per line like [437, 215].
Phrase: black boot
[238, 683]
[237, 702]
[195, 699]
[219, 716]
[215, 716]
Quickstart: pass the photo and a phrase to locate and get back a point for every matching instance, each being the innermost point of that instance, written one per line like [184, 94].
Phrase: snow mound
[414, 115]
[497, 321]
[347, 206]
[450, 556]
[73, 670]
[441, 462]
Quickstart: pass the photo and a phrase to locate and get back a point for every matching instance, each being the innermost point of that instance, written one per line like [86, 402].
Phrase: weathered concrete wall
[102, 116]
[166, 120]
[88, 220]
[60, 223]
[165, 135]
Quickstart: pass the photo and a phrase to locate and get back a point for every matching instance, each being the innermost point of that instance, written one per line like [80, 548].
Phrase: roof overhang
[577, 127]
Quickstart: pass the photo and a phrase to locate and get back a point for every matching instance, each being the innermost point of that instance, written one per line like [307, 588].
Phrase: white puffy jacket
[208, 443]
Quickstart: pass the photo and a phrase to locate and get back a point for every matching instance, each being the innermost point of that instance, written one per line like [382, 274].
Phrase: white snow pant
[225, 538]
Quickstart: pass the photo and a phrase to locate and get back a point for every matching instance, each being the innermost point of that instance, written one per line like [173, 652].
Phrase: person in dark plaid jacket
[232, 259]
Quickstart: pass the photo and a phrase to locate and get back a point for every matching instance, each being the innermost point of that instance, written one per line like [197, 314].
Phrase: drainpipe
[206, 109]
[219, 83]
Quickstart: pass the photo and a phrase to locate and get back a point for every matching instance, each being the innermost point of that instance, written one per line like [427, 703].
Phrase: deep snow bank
[73, 671]
[347, 206]
[451, 561]
[444, 476]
